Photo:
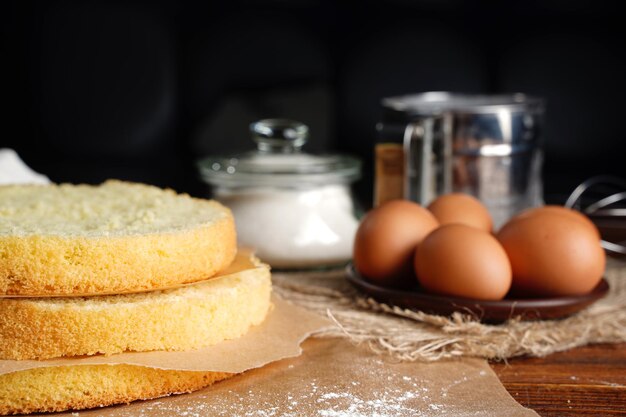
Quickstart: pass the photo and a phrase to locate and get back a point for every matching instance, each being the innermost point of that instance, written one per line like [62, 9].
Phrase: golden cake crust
[184, 318]
[116, 237]
[88, 386]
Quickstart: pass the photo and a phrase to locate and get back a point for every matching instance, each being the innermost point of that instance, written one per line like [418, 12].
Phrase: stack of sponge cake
[98, 270]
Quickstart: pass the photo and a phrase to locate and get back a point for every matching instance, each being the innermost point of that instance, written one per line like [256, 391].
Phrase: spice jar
[295, 209]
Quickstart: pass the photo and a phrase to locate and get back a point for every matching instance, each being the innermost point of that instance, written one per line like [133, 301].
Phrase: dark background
[140, 90]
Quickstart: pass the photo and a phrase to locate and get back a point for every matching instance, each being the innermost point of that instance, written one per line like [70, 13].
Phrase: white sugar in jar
[294, 209]
[291, 228]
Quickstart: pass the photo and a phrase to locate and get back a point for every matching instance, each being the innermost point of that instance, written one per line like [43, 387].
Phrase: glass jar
[295, 209]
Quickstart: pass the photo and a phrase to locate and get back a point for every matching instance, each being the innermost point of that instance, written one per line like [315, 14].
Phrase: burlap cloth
[416, 336]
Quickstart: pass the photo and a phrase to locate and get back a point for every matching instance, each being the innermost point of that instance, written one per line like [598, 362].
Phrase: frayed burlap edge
[416, 336]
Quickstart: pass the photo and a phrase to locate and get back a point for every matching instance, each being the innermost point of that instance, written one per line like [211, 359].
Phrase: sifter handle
[427, 145]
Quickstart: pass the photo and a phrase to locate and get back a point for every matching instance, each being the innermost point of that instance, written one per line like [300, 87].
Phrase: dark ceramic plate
[487, 311]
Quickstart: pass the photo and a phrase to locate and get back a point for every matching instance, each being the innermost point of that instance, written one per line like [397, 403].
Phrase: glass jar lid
[279, 161]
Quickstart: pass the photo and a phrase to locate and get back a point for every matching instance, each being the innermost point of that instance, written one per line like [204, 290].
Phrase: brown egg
[461, 208]
[564, 211]
[552, 254]
[463, 261]
[386, 239]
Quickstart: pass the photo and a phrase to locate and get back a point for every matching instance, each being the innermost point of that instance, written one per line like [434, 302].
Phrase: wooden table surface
[586, 381]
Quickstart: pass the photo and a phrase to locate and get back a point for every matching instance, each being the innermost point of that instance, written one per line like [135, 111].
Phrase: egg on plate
[463, 261]
[461, 208]
[553, 251]
[386, 240]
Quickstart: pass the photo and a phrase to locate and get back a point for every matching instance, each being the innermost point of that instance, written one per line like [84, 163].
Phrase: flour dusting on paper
[333, 378]
[404, 396]
[391, 401]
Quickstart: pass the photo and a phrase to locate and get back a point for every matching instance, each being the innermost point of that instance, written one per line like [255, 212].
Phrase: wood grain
[586, 381]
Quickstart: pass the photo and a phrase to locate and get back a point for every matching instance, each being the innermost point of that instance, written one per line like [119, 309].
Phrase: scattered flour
[348, 392]
[402, 396]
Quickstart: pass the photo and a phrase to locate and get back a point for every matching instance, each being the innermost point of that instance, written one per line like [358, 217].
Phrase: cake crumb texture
[87, 386]
[184, 318]
[116, 237]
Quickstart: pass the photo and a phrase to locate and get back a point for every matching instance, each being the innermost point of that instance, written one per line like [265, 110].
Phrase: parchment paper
[334, 378]
[278, 337]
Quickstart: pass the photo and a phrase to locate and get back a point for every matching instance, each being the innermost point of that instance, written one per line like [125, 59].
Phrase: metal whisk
[609, 191]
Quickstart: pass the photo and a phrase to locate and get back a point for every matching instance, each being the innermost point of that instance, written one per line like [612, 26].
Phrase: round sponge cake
[184, 318]
[116, 237]
[88, 386]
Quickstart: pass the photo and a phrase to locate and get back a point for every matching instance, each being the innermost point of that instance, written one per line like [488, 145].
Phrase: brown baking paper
[334, 378]
[278, 337]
